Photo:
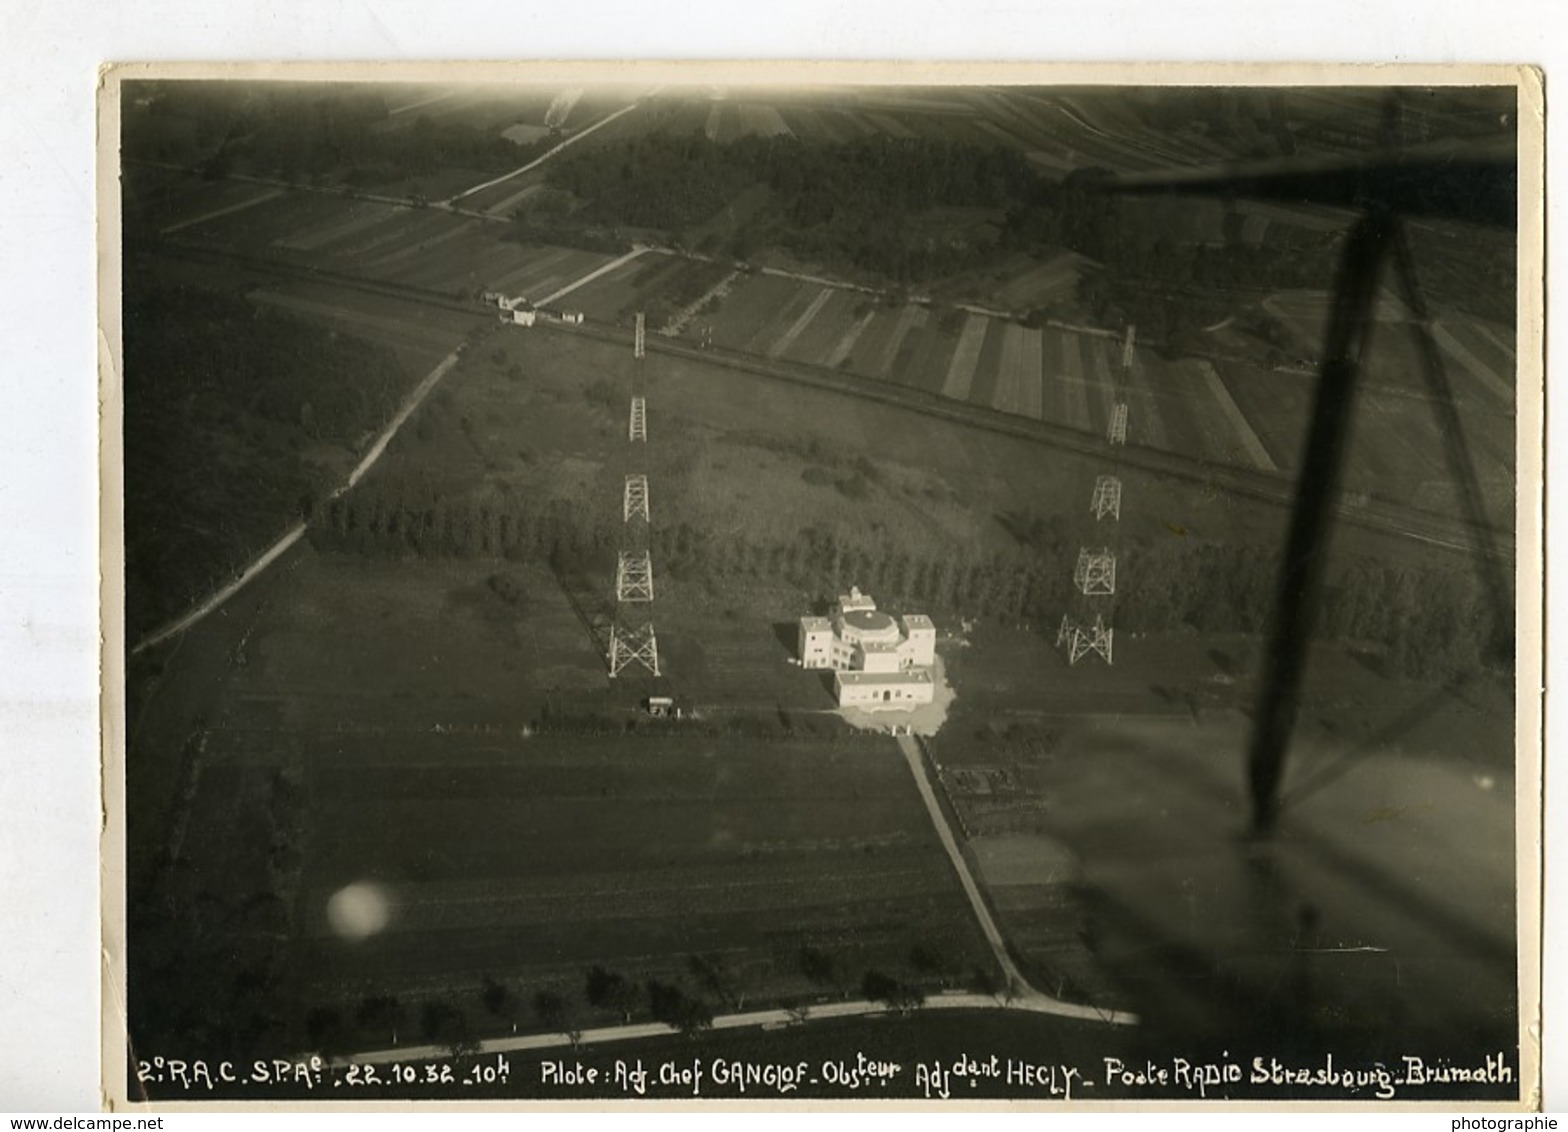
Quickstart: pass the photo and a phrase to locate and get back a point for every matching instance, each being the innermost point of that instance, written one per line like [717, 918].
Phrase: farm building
[517, 311]
[877, 660]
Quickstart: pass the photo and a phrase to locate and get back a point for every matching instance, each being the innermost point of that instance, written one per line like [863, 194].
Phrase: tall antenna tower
[1117, 434]
[632, 638]
[1087, 630]
[1107, 497]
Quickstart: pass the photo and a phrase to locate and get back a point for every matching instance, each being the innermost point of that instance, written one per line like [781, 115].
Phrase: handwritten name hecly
[939, 1080]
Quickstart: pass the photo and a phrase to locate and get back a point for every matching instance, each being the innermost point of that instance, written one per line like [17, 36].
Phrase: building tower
[632, 636]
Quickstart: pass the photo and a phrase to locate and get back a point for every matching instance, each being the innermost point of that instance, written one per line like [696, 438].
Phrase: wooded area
[223, 400]
[848, 204]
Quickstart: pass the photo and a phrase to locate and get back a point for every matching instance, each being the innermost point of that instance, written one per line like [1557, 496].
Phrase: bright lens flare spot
[358, 911]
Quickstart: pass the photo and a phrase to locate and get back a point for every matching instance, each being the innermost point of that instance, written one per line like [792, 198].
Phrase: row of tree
[843, 203]
[382, 1019]
[1430, 620]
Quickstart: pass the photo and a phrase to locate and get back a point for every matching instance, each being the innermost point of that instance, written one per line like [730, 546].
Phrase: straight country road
[294, 533]
[538, 161]
[766, 1019]
[1019, 992]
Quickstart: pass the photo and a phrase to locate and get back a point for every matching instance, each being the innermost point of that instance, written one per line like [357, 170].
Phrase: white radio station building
[878, 661]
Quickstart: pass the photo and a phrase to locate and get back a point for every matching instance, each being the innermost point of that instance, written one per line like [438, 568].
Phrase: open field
[425, 248]
[490, 109]
[934, 475]
[415, 720]
[432, 681]
[663, 286]
[422, 783]
[421, 338]
[1223, 409]
[159, 200]
[420, 332]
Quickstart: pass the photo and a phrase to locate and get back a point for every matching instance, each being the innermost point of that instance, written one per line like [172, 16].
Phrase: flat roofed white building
[877, 660]
[884, 689]
[920, 635]
[816, 642]
[855, 601]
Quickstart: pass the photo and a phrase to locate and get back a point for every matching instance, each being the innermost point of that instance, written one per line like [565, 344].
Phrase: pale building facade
[877, 660]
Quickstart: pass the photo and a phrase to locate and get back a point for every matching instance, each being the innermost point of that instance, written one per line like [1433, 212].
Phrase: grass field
[748, 852]
[422, 334]
[414, 720]
[426, 248]
[662, 286]
[528, 859]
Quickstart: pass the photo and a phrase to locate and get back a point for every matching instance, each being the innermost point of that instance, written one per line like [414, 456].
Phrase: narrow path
[767, 1019]
[249, 202]
[422, 102]
[591, 276]
[1251, 446]
[966, 356]
[787, 339]
[846, 344]
[294, 533]
[1027, 997]
[540, 160]
[1011, 975]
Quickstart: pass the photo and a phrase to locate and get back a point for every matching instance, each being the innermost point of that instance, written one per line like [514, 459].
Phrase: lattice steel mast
[633, 641]
[1088, 630]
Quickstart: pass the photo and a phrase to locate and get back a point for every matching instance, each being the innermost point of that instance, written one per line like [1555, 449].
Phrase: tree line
[844, 203]
[1430, 621]
[381, 1020]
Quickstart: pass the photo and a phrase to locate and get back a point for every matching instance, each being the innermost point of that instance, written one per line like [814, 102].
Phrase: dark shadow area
[1294, 1001]
[788, 634]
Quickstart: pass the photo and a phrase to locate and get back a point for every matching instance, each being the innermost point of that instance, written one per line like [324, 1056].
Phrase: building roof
[816, 623]
[854, 599]
[918, 621]
[908, 676]
[868, 620]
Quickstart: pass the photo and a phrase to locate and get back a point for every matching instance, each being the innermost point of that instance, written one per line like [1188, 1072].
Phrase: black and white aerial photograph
[681, 585]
